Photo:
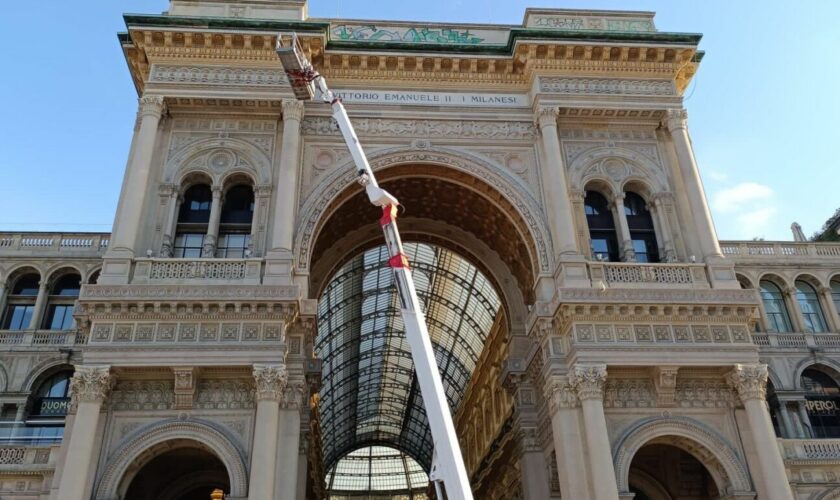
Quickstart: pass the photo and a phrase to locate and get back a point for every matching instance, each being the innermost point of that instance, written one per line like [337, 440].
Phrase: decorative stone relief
[230, 394]
[588, 380]
[629, 393]
[704, 393]
[659, 334]
[441, 129]
[90, 384]
[750, 381]
[607, 86]
[185, 378]
[293, 397]
[217, 75]
[271, 382]
[143, 395]
[665, 383]
[560, 393]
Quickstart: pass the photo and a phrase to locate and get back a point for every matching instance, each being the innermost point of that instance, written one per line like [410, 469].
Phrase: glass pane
[18, 317]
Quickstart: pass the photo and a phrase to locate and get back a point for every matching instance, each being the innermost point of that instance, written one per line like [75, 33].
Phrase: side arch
[620, 166]
[123, 461]
[313, 212]
[703, 443]
[814, 363]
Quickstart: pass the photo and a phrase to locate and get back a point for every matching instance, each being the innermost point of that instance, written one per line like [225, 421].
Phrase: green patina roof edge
[323, 28]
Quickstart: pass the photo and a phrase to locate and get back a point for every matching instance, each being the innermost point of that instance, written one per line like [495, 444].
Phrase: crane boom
[449, 467]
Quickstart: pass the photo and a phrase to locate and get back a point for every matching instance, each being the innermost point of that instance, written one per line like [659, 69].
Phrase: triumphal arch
[238, 329]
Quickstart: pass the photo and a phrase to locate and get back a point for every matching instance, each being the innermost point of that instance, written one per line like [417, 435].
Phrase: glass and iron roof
[369, 393]
[377, 469]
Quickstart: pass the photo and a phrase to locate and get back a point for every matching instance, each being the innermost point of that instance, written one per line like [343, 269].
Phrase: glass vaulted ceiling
[369, 393]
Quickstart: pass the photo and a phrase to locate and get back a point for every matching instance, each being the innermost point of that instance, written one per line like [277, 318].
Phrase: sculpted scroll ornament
[90, 384]
[750, 381]
[588, 381]
[271, 381]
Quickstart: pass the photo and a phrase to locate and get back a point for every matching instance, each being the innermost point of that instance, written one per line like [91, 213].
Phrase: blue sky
[762, 110]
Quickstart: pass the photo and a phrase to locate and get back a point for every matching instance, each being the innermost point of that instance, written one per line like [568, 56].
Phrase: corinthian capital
[152, 105]
[271, 381]
[676, 119]
[588, 381]
[749, 380]
[561, 394]
[90, 384]
[547, 116]
[293, 396]
[292, 110]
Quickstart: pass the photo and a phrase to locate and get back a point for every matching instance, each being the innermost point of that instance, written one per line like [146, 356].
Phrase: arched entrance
[665, 472]
[186, 470]
[474, 258]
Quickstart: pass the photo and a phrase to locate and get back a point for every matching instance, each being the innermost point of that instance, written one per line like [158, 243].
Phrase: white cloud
[743, 196]
[747, 209]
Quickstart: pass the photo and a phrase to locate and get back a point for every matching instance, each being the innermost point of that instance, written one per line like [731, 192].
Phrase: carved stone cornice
[270, 381]
[152, 105]
[411, 128]
[292, 110]
[675, 119]
[588, 380]
[91, 384]
[561, 394]
[750, 381]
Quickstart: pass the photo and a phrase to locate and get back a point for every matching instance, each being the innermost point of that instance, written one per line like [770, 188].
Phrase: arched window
[48, 408]
[62, 301]
[809, 303]
[235, 224]
[21, 302]
[822, 401]
[602, 234]
[642, 232]
[774, 307]
[192, 221]
[835, 294]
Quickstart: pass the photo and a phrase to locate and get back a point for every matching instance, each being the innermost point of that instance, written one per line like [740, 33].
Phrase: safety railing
[810, 449]
[629, 274]
[749, 250]
[240, 271]
[54, 243]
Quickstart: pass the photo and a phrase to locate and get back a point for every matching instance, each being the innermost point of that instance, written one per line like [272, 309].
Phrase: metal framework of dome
[369, 393]
[379, 470]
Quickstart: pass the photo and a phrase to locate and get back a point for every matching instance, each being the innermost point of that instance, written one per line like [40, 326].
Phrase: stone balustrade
[50, 244]
[34, 338]
[638, 275]
[22, 458]
[810, 449]
[782, 250]
[211, 271]
[795, 340]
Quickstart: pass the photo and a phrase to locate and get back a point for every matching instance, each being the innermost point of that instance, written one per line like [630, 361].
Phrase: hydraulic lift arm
[449, 465]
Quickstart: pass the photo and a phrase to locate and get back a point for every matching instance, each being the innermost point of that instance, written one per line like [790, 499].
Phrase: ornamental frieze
[388, 127]
[218, 75]
[607, 86]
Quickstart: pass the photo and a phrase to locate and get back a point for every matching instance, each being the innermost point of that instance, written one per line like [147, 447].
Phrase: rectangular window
[18, 317]
[188, 245]
[232, 246]
[60, 317]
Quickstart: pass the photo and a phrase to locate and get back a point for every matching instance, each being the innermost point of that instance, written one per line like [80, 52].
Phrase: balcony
[204, 271]
[27, 459]
[810, 449]
[10, 339]
[782, 251]
[660, 275]
[54, 244]
[797, 340]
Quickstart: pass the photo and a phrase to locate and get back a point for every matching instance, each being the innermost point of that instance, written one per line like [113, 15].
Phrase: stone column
[285, 194]
[288, 448]
[262, 198]
[173, 203]
[3, 290]
[210, 240]
[568, 446]
[787, 425]
[89, 388]
[130, 208]
[797, 321]
[555, 185]
[271, 383]
[588, 381]
[676, 122]
[832, 317]
[628, 253]
[804, 420]
[659, 213]
[40, 304]
[751, 383]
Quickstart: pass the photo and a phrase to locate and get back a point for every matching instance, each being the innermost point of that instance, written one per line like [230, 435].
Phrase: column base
[279, 269]
[572, 272]
[116, 269]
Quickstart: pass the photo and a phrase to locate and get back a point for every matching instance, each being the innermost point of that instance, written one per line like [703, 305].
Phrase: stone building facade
[236, 330]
